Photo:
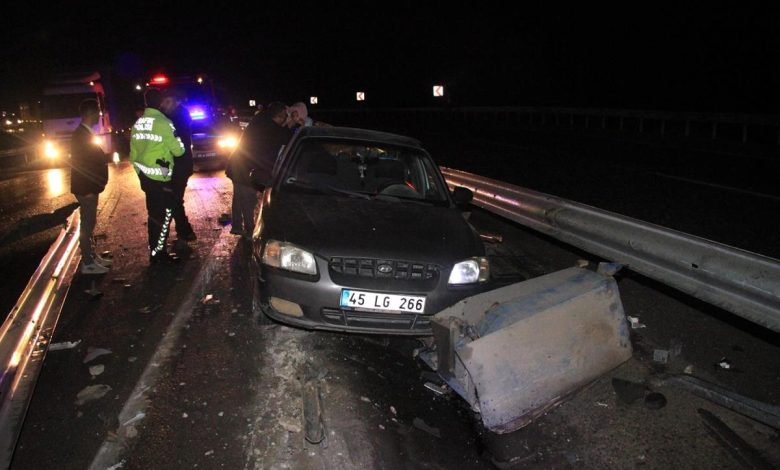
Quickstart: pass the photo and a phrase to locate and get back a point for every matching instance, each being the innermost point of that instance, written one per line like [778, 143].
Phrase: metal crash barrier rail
[736, 280]
[25, 334]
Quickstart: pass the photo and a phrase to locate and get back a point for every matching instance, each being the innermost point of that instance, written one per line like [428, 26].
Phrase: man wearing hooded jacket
[153, 149]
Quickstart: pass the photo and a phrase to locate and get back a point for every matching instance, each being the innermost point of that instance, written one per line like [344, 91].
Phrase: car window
[364, 168]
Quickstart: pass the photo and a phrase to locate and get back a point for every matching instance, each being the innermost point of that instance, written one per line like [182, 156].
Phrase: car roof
[359, 134]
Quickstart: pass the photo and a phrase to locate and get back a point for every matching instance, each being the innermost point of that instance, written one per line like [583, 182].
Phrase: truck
[214, 134]
[60, 113]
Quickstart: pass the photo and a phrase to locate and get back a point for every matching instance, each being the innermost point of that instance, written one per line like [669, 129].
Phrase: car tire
[257, 306]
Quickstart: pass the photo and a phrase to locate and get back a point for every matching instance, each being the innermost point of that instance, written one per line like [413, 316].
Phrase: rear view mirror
[258, 179]
[462, 196]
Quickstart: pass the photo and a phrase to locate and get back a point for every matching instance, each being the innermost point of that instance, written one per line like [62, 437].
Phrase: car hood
[335, 225]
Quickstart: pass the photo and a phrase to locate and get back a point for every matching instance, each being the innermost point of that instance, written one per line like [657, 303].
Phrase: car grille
[384, 321]
[384, 269]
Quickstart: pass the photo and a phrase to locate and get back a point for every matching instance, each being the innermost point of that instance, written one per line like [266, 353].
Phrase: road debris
[602, 404]
[92, 392]
[93, 292]
[392, 410]
[724, 363]
[92, 353]
[661, 356]
[138, 417]
[149, 308]
[365, 399]
[743, 452]
[634, 322]
[422, 426]
[435, 388]
[96, 370]
[64, 345]
[210, 452]
[754, 409]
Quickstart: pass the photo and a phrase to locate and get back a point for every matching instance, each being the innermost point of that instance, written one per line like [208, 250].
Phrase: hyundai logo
[384, 268]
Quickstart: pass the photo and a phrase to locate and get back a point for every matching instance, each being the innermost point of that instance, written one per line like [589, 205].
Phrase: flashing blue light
[197, 114]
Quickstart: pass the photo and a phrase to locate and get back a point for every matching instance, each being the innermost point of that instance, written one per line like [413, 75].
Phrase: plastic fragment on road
[515, 352]
[91, 393]
[423, 426]
[138, 417]
[661, 356]
[64, 345]
[92, 353]
[635, 323]
[724, 363]
[438, 390]
[96, 370]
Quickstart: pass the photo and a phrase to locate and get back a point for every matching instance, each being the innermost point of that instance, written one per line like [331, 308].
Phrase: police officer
[153, 147]
[178, 114]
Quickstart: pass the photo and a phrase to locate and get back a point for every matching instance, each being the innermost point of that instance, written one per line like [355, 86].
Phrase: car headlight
[287, 256]
[470, 271]
[50, 150]
[227, 142]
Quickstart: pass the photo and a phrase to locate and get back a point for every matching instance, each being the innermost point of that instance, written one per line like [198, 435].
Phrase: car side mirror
[258, 180]
[462, 196]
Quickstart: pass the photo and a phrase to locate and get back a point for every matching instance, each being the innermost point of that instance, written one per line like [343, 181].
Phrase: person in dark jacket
[257, 151]
[88, 178]
[178, 114]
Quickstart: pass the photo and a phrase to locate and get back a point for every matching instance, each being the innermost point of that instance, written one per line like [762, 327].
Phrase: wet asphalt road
[199, 384]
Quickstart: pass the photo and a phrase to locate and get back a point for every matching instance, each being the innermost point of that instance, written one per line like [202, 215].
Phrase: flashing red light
[159, 80]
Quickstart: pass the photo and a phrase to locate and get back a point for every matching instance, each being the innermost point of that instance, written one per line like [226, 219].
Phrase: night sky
[644, 55]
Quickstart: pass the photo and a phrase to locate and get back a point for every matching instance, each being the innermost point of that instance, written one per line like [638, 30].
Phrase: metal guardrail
[25, 334]
[736, 280]
[643, 122]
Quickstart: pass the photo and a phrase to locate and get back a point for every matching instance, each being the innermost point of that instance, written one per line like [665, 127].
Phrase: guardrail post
[714, 130]
[663, 126]
[557, 120]
[571, 122]
[621, 124]
[687, 128]
[587, 121]
[641, 125]
[744, 133]
[603, 122]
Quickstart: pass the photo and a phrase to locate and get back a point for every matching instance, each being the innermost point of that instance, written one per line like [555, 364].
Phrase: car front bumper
[319, 304]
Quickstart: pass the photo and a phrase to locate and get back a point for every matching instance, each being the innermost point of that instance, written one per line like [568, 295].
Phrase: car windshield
[365, 170]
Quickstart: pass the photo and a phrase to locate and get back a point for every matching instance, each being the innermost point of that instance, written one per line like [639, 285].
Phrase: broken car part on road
[515, 352]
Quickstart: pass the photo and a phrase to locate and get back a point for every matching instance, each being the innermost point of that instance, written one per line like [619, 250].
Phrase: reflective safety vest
[154, 144]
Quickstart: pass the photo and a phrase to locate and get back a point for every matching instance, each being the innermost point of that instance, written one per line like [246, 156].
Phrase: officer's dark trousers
[159, 207]
[179, 185]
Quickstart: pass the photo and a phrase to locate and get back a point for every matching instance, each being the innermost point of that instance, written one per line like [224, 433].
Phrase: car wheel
[257, 306]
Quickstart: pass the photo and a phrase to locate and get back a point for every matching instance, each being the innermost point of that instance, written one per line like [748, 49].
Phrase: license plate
[377, 302]
[206, 155]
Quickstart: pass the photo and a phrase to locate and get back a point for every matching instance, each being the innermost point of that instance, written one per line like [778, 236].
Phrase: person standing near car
[88, 178]
[256, 151]
[178, 114]
[153, 148]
